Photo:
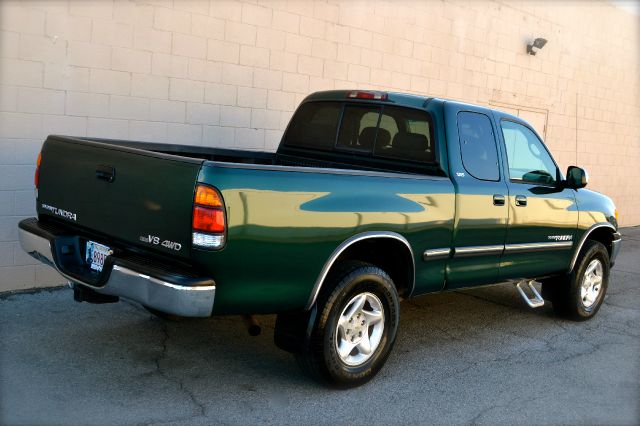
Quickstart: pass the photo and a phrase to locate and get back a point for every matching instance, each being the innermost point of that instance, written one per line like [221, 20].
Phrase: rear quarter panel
[284, 225]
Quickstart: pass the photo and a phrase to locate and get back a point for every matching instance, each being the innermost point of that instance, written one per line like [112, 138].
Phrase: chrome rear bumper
[130, 282]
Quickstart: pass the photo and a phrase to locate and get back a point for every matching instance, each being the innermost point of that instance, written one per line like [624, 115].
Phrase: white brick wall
[229, 73]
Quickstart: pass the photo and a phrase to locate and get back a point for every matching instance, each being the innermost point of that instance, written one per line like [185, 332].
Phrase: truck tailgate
[137, 197]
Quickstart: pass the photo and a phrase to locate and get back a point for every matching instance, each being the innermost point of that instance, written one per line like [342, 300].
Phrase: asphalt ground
[468, 357]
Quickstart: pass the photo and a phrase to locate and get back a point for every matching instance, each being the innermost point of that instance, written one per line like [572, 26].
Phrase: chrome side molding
[508, 248]
[533, 247]
[477, 251]
[436, 254]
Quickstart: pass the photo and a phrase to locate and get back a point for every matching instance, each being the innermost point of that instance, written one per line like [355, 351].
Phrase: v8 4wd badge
[156, 241]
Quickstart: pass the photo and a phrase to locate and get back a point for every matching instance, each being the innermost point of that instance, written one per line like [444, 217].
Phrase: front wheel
[355, 328]
[580, 294]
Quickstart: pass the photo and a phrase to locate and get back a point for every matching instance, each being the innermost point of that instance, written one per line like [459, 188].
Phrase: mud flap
[293, 330]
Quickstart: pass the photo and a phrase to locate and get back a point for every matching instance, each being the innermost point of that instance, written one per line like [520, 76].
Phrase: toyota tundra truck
[371, 198]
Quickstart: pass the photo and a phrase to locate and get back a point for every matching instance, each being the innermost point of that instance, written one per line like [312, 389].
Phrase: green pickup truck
[371, 198]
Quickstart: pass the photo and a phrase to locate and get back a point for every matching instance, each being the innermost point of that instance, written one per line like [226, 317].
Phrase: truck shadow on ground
[219, 350]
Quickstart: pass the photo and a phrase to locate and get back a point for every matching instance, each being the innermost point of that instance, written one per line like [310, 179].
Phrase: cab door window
[478, 146]
[529, 161]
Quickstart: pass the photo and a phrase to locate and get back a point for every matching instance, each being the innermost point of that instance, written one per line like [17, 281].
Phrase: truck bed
[293, 158]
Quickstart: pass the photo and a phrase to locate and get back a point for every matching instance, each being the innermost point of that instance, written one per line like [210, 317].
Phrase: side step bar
[535, 301]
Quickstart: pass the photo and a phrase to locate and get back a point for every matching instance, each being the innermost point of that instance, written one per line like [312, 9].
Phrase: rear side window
[478, 146]
[315, 125]
[373, 130]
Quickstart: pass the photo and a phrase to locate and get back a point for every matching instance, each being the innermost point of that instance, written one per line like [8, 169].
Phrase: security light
[537, 44]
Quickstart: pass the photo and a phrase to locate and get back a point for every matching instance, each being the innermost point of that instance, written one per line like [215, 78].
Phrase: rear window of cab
[379, 131]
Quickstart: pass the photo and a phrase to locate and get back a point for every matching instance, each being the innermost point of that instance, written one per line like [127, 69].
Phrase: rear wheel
[579, 295]
[355, 326]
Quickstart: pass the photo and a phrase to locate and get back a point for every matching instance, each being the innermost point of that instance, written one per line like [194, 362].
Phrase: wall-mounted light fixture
[537, 44]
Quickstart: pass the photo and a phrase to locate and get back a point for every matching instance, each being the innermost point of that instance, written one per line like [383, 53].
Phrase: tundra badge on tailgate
[59, 212]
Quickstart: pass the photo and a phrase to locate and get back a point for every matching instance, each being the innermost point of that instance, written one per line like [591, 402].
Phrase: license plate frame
[96, 254]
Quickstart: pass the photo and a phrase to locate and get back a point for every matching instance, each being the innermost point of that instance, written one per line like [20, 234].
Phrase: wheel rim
[360, 328]
[591, 283]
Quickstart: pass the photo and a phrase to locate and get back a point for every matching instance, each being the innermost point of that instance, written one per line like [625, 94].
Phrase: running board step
[536, 300]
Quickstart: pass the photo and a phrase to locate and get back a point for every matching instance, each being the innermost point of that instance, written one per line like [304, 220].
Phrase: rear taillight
[36, 178]
[209, 221]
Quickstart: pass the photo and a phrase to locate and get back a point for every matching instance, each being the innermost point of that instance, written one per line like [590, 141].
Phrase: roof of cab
[401, 99]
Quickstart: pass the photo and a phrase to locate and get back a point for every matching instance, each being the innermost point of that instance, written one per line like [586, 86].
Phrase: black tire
[163, 315]
[565, 292]
[319, 357]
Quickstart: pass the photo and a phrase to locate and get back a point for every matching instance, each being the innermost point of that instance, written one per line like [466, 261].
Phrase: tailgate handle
[107, 173]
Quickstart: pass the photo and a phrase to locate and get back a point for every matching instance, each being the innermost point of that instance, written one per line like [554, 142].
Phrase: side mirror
[576, 177]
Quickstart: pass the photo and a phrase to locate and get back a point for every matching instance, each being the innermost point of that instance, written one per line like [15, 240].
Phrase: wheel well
[603, 235]
[392, 255]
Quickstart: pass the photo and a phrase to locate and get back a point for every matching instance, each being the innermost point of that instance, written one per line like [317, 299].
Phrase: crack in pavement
[626, 272]
[503, 359]
[619, 332]
[621, 307]
[180, 383]
[440, 328]
[550, 346]
[548, 343]
[590, 351]
[495, 302]
[477, 417]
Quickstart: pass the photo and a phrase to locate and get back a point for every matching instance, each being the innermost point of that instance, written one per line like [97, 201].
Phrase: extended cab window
[528, 159]
[478, 146]
[315, 125]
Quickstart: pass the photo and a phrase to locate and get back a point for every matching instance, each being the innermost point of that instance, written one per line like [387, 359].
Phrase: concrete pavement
[468, 357]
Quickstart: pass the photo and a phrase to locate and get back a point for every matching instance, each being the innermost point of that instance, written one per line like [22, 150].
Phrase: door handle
[498, 200]
[521, 200]
[107, 173]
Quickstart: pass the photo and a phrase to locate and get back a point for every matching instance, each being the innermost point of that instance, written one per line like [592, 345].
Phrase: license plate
[96, 254]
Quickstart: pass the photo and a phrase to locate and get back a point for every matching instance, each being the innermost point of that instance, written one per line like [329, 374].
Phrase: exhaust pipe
[85, 294]
[253, 326]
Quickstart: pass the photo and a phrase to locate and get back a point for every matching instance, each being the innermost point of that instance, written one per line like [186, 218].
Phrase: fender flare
[584, 238]
[345, 245]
